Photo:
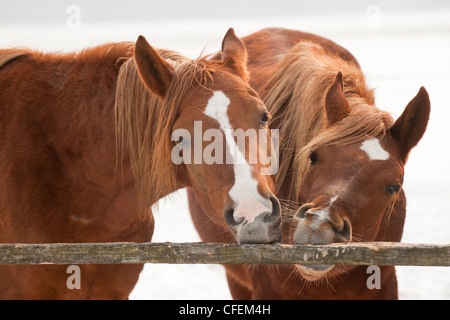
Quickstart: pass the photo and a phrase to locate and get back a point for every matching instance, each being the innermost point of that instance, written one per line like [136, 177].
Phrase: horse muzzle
[318, 226]
[265, 227]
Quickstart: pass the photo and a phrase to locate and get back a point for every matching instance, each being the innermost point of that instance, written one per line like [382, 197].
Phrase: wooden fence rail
[373, 253]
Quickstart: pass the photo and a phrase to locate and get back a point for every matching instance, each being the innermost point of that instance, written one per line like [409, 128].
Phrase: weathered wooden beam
[373, 253]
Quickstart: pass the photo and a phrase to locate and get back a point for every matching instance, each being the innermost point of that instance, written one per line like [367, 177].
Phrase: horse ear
[154, 71]
[234, 54]
[336, 104]
[411, 125]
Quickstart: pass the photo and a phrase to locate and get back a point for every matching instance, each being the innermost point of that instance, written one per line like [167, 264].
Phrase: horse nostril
[301, 212]
[345, 232]
[229, 218]
[276, 211]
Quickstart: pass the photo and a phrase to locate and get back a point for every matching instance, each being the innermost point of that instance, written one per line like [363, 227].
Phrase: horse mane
[144, 122]
[296, 102]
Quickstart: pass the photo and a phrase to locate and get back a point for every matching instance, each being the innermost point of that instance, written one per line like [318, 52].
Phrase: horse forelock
[144, 121]
[297, 101]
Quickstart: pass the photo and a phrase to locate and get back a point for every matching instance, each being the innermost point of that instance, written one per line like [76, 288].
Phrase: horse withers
[88, 146]
[341, 165]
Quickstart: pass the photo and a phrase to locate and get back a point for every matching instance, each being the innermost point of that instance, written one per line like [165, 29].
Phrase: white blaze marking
[249, 203]
[374, 150]
[325, 212]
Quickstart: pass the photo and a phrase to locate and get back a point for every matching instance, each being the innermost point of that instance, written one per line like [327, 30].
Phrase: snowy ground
[399, 52]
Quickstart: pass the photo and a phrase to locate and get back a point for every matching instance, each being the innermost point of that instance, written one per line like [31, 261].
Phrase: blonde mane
[144, 122]
[296, 102]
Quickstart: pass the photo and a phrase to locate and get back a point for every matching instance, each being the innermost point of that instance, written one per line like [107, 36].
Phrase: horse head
[350, 185]
[218, 138]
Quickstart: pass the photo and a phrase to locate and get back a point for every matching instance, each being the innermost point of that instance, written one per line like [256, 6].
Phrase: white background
[399, 49]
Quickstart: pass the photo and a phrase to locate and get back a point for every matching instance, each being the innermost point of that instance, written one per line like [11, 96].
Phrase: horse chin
[314, 272]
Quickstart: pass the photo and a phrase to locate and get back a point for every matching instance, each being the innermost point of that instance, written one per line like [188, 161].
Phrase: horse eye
[393, 189]
[313, 158]
[265, 117]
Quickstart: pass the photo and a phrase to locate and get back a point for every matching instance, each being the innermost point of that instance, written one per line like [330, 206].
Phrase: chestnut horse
[341, 165]
[87, 148]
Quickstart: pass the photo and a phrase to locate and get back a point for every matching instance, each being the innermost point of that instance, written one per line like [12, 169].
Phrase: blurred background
[400, 45]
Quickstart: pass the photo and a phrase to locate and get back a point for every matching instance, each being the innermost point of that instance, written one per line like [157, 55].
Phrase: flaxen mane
[297, 100]
[144, 121]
